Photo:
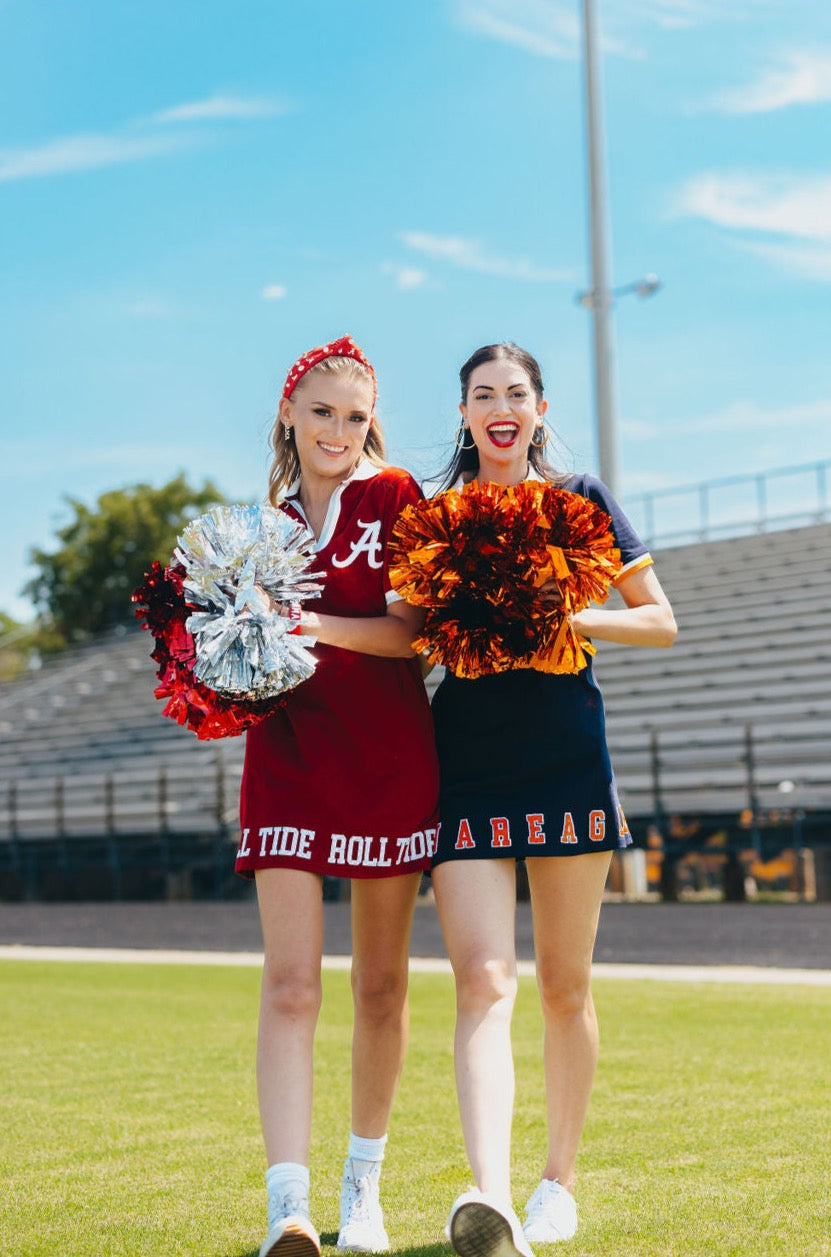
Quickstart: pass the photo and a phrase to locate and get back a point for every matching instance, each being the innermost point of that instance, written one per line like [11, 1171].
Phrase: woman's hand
[551, 595]
[293, 612]
[388, 635]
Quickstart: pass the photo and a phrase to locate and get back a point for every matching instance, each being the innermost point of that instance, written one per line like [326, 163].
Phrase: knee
[291, 992]
[564, 993]
[485, 986]
[379, 995]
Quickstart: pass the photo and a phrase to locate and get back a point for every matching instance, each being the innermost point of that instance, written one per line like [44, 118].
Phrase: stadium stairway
[736, 716]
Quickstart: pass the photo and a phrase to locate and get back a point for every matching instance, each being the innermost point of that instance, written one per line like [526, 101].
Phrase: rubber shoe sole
[293, 1236]
[478, 1229]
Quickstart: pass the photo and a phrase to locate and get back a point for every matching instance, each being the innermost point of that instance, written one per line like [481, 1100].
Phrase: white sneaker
[480, 1226]
[552, 1213]
[291, 1236]
[361, 1219]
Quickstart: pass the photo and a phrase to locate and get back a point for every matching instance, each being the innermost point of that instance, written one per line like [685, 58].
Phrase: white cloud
[552, 28]
[537, 26]
[686, 14]
[94, 151]
[802, 78]
[791, 214]
[742, 416]
[406, 277]
[808, 261]
[469, 255]
[668, 14]
[274, 292]
[222, 108]
[81, 152]
[790, 205]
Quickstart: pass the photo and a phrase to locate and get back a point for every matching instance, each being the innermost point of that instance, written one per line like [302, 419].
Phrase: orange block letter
[569, 833]
[535, 829]
[500, 832]
[597, 826]
[465, 838]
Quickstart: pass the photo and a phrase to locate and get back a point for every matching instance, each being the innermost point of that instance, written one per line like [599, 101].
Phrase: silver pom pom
[236, 558]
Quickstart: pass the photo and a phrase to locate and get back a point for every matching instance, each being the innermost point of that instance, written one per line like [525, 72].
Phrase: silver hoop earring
[460, 444]
[539, 444]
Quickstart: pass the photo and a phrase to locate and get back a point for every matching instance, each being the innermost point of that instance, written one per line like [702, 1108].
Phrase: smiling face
[329, 415]
[502, 411]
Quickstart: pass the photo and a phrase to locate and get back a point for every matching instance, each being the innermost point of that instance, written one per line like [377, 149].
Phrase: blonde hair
[285, 467]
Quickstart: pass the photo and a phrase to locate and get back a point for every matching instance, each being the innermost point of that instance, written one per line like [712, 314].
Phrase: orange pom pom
[479, 559]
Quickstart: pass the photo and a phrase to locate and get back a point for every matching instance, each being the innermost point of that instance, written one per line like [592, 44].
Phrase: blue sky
[191, 194]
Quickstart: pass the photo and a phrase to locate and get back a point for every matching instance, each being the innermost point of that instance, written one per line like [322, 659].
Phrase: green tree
[84, 585]
[15, 644]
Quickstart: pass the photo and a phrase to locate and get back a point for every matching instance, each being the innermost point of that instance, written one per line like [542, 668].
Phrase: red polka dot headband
[345, 347]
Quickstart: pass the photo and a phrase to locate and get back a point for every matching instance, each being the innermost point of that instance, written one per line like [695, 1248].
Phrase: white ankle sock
[285, 1178]
[366, 1155]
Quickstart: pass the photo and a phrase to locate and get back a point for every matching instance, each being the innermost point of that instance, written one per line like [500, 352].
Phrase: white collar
[364, 470]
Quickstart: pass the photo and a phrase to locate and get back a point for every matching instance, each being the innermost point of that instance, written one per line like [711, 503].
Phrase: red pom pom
[161, 607]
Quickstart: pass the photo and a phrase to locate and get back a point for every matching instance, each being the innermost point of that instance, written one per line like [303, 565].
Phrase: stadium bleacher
[752, 664]
[733, 721]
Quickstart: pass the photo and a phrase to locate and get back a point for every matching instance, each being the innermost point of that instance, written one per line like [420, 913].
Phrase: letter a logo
[569, 833]
[369, 543]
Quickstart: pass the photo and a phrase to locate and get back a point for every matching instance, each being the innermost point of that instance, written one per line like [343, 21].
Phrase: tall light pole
[601, 295]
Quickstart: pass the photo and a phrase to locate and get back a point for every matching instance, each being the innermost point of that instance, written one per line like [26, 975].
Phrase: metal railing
[734, 505]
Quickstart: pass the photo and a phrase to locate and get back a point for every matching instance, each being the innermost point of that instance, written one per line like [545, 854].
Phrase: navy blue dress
[525, 770]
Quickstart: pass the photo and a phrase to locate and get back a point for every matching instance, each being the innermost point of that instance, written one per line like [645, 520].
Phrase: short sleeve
[402, 491]
[634, 554]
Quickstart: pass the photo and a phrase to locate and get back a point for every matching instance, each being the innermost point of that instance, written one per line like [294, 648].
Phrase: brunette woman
[525, 774]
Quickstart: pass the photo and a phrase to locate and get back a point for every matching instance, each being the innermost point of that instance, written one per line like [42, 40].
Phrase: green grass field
[128, 1121]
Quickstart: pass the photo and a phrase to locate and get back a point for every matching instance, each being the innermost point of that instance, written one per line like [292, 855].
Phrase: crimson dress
[343, 780]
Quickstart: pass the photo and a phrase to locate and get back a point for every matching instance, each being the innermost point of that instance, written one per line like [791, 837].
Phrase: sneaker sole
[294, 1242]
[477, 1230]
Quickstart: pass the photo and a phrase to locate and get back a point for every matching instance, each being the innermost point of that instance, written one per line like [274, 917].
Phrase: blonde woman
[342, 781]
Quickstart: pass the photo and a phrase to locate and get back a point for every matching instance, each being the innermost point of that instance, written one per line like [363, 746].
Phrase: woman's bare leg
[476, 901]
[566, 894]
[291, 913]
[382, 916]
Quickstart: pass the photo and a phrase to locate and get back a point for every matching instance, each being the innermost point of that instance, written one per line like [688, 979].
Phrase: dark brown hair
[468, 459]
